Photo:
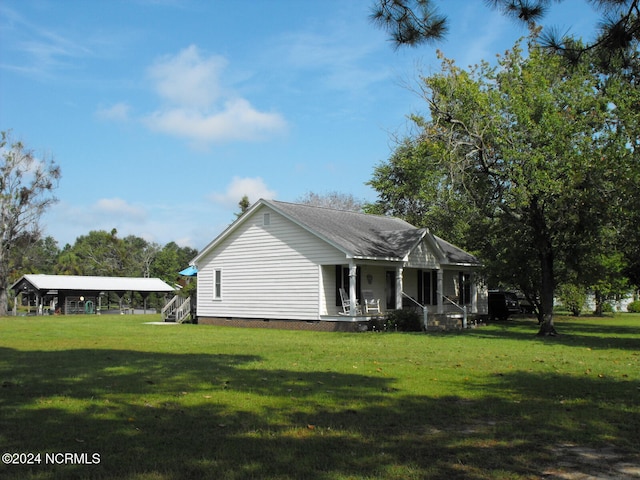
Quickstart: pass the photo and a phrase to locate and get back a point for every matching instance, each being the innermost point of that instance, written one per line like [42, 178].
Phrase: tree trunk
[4, 280]
[547, 293]
[599, 301]
[545, 254]
[4, 303]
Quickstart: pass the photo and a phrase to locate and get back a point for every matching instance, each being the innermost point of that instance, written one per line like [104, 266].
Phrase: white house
[283, 265]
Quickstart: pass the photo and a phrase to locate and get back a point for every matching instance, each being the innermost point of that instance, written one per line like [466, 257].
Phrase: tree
[244, 205]
[532, 146]
[140, 255]
[34, 256]
[171, 260]
[415, 22]
[26, 186]
[409, 186]
[335, 200]
[409, 22]
[100, 253]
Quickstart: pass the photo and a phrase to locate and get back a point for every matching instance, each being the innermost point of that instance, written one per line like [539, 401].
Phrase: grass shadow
[163, 416]
[596, 335]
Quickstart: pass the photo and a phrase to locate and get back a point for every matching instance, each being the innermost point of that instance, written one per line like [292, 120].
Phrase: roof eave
[377, 259]
[463, 264]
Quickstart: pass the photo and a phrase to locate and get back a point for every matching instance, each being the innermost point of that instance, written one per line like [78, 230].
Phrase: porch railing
[423, 307]
[462, 308]
[176, 310]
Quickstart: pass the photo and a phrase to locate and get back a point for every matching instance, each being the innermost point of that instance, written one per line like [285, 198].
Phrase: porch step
[445, 321]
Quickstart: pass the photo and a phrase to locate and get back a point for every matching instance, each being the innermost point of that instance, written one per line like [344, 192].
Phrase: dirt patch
[581, 463]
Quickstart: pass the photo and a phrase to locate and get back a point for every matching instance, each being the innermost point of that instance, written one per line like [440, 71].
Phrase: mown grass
[161, 402]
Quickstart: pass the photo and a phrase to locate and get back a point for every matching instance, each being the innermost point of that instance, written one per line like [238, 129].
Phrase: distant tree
[68, 262]
[140, 255]
[573, 297]
[170, 261]
[35, 256]
[244, 205]
[335, 200]
[101, 253]
[26, 186]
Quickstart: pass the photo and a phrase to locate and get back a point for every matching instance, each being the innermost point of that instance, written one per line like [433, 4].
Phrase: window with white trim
[217, 284]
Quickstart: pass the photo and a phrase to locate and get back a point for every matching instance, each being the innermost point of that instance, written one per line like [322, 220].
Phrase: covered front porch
[436, 293]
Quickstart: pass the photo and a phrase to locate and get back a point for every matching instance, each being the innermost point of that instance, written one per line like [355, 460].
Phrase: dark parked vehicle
[525, 305]
[502, 304]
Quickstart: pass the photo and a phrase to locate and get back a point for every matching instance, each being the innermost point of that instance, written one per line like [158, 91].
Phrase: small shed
[69, 294]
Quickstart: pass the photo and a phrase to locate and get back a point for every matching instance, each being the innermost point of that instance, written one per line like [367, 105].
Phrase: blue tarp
[190, 271]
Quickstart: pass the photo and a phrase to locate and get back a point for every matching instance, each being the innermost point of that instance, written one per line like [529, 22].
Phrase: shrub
[572, 297]
[634, 307]
[607, 307]
[403, 321]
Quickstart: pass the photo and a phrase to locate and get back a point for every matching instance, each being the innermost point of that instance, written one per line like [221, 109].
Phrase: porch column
[440, 291]
[353, 271]
[399, 288]
[474, 293]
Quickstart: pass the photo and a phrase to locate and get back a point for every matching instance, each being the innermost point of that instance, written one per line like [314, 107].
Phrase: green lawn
[192, 401]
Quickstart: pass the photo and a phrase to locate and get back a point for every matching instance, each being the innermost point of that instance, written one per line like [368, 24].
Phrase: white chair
[346, 304]
[371, 305]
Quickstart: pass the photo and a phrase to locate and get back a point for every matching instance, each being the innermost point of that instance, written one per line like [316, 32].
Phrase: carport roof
[79, 283]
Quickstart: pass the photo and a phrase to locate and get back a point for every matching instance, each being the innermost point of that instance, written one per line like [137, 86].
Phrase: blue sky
[162, 114]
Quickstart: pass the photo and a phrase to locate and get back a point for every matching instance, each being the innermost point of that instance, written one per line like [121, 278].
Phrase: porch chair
[346, 304]
[371, 305]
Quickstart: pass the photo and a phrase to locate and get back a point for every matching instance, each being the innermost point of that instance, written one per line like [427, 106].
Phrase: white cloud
[67, 221]
[119, 208]
[238, 120]
[118, 112]
[199, 107]
[254, 188]
[187, 79]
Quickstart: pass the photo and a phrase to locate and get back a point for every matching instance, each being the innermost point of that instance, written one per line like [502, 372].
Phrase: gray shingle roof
[455, 254]
[367, 236]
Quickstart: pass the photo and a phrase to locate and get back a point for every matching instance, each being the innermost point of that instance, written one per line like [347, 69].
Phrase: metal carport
[82, 294]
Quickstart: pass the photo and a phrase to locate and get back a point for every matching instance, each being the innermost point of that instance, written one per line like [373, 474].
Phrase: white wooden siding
[268, 271]
[422, 257]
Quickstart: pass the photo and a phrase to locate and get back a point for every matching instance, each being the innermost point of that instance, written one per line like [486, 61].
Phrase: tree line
[101, 253]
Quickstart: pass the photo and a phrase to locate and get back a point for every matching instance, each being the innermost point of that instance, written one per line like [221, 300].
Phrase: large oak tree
[533, 148]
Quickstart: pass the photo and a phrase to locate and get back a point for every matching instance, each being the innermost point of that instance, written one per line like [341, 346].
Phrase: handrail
[169, 308]
[177, 306]
[424, 308]
[183, 311]
[463, 308]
